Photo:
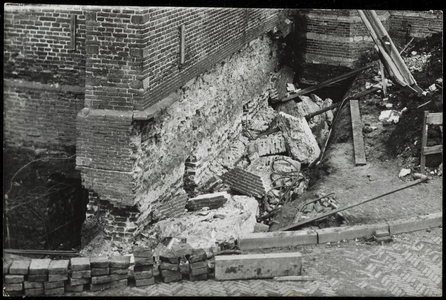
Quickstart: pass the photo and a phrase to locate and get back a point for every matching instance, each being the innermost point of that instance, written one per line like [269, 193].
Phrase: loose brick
[119, 283]
[168, 266]
[212, 201]
[118, 271]
[250, 266]
[143, 268]
[172, 278]
[199, 271]
[54, 284]
[19, 267]
[100, 271]
[39, 278]
[143, 275]
[182, 250]
[80, 263]
[81, 274]
[14, 278]
[99, 262]
[58, 267]
[79, 281]
[197, 255]
[169, 257]
[139, 261]
[198, 277]
[56, 277]
[198, 264]
[39, 266]
[55, 292]
[141, 252]
[33, 285]
[74, 289]
[35, 292]
[99, 287]
[6, 266]
[119, 262]
[13, 287]
[167, 273]
[144, 282]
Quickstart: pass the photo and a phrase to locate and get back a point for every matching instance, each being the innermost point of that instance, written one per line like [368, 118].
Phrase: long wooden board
[358, 139]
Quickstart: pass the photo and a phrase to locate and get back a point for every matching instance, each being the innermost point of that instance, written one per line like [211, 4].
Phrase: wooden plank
[434, 119]
[433, 149]
[383, 78]
[295, 226]
[73, 32]
[358, 139]
[182, 40]
[423, 143]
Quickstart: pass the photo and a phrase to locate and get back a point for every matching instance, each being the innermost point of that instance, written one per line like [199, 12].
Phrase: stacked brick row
[143, 269]
[189, 176]
[118, 267]
[198, 265]
[80, 274]
[15, 275]
[170, 267]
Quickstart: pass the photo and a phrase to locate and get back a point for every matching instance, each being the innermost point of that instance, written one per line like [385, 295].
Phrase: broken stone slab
[54, 284]
[213, 201]
[403, 173]
[299, 139]
[252, 266]
[52, 277]
[259, 227]
[244, 182]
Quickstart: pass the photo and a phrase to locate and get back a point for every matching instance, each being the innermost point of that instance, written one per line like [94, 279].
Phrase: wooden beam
[383, 78]
[42, 252]
[432, 149]
[295, 226]
[423, 142]
[73, 32]
[325, 84]
[182, 40]
[358, 139]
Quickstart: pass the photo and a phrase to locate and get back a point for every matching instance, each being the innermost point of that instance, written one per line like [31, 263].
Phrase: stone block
[14, 278]
[39, 266]
[119, 283]
[244, 182]
[99, 262]
[122, 262]
[142, 268]
[173, 277]
[139, 252]
[118, 271]
[264, 240]
[57, 267]
[335, 234]
[33, 285]
[35, 292]
[169, 257]
[101, 279]
[198, 264]
[197, 255]
[198, 277]
[56, 277]
[37, 278]
[79, 281]
[143, 261]
[182, 250]
[80, 263]
[74, 289]
[199, 271]
[81, 274]
[213, 201]
[167, 273]
[100, 271]
[6, 266]
[54, 284]
[55, 292]
[252, 266]
[259, 227]
[415, 223]
[168, 266]
[99, 287]
[13, 287]
[144, 282]
[19, 267]
[143, 275]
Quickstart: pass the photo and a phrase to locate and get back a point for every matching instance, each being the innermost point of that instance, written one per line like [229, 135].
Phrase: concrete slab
[251, 266]
[122, 262]
[19, 267]
[55, 292]
[416, 223]
[335, 234]
[263, 240]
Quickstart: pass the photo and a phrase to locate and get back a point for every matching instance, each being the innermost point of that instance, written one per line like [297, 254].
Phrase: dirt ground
[388, 148]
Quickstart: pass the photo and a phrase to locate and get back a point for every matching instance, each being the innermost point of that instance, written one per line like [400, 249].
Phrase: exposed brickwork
[418, 24]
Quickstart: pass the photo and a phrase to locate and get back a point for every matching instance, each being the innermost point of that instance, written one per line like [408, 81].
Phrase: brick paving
[409, 266]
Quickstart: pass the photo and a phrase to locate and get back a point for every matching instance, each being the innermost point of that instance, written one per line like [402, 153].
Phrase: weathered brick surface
[100, 271]
[81, 274]
[58, 267]
[19, 267]
[55, 277]
[213, 201]
[244, 182]
[42, 278]
[419, 24]
[144, 282]
[122, 262]
[33, 285]
[54, 284]
[143, 275]
[73, 289]
[80, 263]
[79, 281]
[14, 278]
[99, 262]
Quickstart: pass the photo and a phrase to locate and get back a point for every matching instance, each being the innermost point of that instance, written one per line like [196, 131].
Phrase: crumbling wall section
[418, 24]
[205, 119]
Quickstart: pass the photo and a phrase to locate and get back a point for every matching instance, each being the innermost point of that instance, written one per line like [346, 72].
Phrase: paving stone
[14, 278]
[54, 284]
[6, 266]
[13, 287]
[250, 266]
[19, 267]
[199, 271]
[118, 271]
[143, 261]
[80, 263]
[55, 292]
[74, 289]
[143, 268]
[198, 264]
[168, 266]
[99, 262]
[144, 282]
[172, 278]
[335, 234]
[39, 266]
[57, 277]
[79, 281]
[100, 271]
[35, 292]
[39, 278]
[33, 285]
[122, 262]
[58, 267]
[143, 275]
[264, 240]
[81, 274]
[197, 255]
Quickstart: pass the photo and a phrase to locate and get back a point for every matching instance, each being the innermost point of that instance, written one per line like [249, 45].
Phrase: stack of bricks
[143, 269]
[15, 274]
[99, 267]
[198, 265]
[57, 277]
[170, 267]
[37, 277]
[118, 274]
[80, 274]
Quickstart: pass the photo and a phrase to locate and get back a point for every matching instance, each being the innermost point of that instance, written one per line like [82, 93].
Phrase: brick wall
[418, 24]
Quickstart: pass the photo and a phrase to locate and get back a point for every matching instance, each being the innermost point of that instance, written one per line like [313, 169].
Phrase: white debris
[389, 105]
[390, 116]
[368, 85]
[414, 53]
[433, 88]
[404, 172]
